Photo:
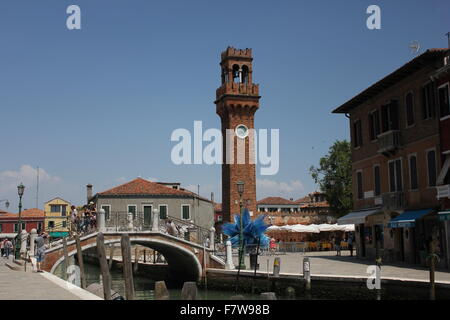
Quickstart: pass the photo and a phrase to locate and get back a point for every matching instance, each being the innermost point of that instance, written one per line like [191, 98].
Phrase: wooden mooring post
[307, 277]
[106, 277]
[189, 291]
[161, 292]
[127, 266]
[112, 247]
[80, 262]
[136, 259]
[66, 257]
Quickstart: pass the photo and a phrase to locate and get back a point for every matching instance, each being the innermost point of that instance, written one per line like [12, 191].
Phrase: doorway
[399, 244]
[147, 215]
[362, 240]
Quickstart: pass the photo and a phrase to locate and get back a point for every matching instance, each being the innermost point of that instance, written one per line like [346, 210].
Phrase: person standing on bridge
[73, 219]
[40, 250]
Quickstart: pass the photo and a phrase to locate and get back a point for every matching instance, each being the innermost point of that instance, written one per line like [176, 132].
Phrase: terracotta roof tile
[29, 213]
[144, 187]
[276, 201]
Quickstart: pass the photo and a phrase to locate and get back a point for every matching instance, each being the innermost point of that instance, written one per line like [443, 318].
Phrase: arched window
[236, 74]
[224, 75]
[244, 74]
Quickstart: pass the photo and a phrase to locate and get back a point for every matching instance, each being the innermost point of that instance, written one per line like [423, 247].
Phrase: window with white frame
[185, 211]
[431, 165]
[131, 208]
[414, 182]
[107, 209]
[163, 211]
[395, 175]
[409, 105]
[359, 185]
[428, 101]
[377, 180]
[444, 103]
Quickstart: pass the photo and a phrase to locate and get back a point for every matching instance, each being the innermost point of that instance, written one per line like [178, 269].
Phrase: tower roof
[231, 52]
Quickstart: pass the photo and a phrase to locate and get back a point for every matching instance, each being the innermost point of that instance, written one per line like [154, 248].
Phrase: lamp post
[240, 189]
[20, 191]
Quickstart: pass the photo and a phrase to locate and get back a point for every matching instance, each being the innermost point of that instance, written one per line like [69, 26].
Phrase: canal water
[144, 287]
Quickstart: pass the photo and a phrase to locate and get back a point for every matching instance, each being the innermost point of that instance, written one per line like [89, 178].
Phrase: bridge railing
[140, 221]
[69, 229]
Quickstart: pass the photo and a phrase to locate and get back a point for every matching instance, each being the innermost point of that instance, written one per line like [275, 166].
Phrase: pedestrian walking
[272, 246]
[337, 245]
[40, 250]
[8, 247]
[350, 244]
[2, 248]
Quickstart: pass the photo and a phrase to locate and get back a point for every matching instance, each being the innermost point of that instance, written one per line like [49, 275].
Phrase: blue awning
[408, 218]
[444, 216]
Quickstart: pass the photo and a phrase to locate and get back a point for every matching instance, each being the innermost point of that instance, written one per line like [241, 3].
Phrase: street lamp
[240, 189]
[20, 191]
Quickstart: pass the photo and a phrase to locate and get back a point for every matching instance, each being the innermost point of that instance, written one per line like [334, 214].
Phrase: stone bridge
[186, 260]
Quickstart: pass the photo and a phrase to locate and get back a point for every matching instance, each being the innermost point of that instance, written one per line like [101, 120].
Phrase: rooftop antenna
[448, 39]
[414, 46]
[37, 189]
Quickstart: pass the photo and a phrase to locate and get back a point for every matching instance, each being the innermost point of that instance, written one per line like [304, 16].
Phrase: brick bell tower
[236, 103]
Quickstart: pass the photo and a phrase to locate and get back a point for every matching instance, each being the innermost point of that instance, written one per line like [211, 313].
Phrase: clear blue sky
[98, 105]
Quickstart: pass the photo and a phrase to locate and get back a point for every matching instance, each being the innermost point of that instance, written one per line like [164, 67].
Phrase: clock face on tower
[242, 131]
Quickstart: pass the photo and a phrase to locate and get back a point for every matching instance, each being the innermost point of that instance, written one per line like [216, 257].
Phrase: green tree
[334, 176]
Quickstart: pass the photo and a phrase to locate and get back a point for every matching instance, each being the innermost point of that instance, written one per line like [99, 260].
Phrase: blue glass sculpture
[253, 230]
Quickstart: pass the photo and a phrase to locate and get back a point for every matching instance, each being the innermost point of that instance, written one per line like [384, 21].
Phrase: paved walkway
[327, 263]
[20, 285]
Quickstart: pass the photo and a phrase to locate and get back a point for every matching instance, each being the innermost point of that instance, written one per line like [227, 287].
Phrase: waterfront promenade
[21, 285]
[326, 263]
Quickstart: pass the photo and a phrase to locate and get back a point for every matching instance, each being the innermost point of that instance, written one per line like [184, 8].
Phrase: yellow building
[57, 217]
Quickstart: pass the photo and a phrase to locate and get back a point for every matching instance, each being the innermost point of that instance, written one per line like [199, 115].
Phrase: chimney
[89, 192]
[212, 197]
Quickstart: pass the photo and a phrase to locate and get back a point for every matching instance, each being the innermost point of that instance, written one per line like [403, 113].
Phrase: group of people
[84, 222]
[337, 244]
[39, 249]
[6, 247]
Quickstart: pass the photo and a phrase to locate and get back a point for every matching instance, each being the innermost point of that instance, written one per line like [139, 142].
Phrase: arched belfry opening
[237, 76]
[244, 73]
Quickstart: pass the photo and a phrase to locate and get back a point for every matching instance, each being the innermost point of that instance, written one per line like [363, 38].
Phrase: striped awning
[408, 218]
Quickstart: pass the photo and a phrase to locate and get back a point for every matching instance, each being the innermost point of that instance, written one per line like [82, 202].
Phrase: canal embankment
[322, 286]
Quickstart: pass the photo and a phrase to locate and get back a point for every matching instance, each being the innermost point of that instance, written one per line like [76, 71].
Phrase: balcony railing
[443, 191]
[393, 200]
[389, 142]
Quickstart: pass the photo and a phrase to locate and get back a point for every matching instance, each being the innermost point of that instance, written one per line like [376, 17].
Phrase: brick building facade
[396, 148]
[236, 103]
[30, 218]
